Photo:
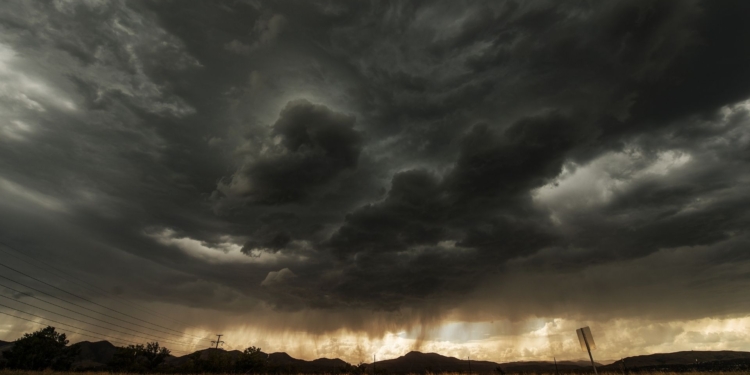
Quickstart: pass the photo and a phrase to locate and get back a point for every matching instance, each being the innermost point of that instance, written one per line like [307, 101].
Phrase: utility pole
[218, 341]
[373, 364]
[469, 359]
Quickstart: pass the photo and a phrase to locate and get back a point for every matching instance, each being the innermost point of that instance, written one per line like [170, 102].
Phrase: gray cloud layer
[384, 156]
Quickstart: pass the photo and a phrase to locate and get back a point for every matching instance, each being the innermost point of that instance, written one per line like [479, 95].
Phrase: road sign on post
[587, 343]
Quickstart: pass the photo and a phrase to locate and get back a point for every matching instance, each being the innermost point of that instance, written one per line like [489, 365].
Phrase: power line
[97, 304]
[81, 282]
[79, 306]
[100, 305]
[65, 324]
[116, 339]
[90, 288]
[96, 325]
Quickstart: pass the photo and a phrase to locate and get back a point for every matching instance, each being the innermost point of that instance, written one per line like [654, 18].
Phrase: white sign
[584, 337]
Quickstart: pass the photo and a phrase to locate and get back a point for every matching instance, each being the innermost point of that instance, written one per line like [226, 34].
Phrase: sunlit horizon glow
[535, 339]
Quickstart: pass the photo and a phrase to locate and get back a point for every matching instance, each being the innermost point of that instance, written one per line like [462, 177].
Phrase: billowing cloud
[278, 277]
[310, 145]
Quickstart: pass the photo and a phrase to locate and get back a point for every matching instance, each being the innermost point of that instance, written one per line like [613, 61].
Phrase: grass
[49, 372]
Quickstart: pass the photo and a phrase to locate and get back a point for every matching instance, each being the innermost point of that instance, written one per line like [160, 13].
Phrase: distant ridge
[277, 362]
[202, 354]
[679, 358]
[93, 355]
[96, 356]
[420, 363]
[285, 363]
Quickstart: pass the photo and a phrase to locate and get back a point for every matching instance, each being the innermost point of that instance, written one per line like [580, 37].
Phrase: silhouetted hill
[328, 362]
[417, 362]
[679, 358]
[283, 362]
[93, 355]
[202, 354]
[281, 358]
[277, 362]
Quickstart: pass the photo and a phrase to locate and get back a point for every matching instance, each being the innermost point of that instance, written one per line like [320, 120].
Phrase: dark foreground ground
[23, 372]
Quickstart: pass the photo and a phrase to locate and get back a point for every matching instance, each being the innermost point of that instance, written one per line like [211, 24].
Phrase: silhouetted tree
[212, 360]
[139, 358]
[40, 350]
[252, 360]
[347, 368]
[361, 368]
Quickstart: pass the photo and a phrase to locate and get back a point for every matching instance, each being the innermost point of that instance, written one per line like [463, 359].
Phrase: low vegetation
[29, 372]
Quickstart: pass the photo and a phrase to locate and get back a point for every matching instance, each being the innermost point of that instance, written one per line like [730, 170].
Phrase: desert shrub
[139, 358]
[252, 360]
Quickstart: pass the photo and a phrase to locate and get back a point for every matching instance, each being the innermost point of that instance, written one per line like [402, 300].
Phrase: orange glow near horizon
[539, 340]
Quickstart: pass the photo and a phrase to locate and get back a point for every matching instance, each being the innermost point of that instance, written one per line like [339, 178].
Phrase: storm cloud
[414, 161]
[310, 146]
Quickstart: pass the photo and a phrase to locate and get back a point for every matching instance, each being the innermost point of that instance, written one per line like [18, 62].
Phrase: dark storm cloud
[528, 154]
[493, 175]
[412, 214]
[316, 144]
[386, 155]
[481, 204]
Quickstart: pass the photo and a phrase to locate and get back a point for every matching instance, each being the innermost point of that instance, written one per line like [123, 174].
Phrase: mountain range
[95, 356]
[281, 362]
[679, 358]
[417, 362]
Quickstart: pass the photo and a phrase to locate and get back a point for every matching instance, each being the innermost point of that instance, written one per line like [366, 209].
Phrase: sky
[349, 178]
